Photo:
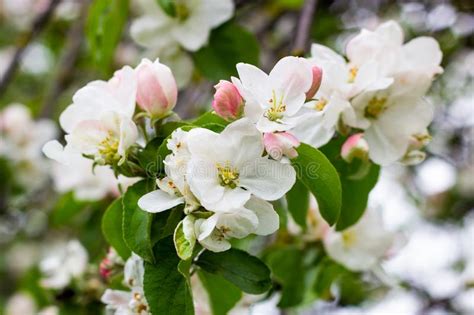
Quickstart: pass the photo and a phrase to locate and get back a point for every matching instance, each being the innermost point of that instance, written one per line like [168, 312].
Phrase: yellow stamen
[349, 238]
[108, 149]
[375, 107]
[321, 104]
[228, 176]
[352, 74]
[277, 108]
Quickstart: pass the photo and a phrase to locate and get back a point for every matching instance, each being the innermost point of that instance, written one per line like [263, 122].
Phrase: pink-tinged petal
[281, 144]
[157, 90]
[317, 78]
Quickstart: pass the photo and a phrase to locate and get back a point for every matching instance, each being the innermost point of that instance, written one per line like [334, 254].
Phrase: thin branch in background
[37, 27]
[67, 61]
[303, 29]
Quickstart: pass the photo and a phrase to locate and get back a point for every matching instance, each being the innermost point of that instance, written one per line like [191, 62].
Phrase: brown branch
[67, 61]
[37, 27]
[301, 44]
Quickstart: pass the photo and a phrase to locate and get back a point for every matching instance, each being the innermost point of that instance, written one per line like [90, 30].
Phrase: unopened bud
[281, 144]
[157, 91]
[228, 103]
[355, 147]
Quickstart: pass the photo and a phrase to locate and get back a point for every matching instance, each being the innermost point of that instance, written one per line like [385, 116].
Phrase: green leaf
[104, 27]
[298, 203]
[355, 190]
[247, 272]
[149, 159]
[112, 228]
[209, 118]
[184, 247]
[288, 269]
[168, 6]
[166, 289]
[321, 178]
[164, 223]
[137, 223]
[327, 273]
[223, 295]
[229, 44]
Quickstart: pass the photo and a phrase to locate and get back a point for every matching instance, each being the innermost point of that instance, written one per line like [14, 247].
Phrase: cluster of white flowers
[187, 25]
[379, 90]
[131, 302]
[226, 176]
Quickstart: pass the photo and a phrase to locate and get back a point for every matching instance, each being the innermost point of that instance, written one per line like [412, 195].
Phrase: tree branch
[66, 62]
[37, 27]
[305, 20]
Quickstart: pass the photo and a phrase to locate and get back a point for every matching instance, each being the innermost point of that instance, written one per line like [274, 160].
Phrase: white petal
[134, 271]
[204, 228]
[423, 53]
[312, 130]
[158, 201]
[216, 12]
[268, 219]
[215, 243]
[203, 180]
[267, 179]
[320, 53]
[256, 82]
[144, 29]
[238, 223]
[116, 298]
[231, 199]
[203, 143]
[193, 33]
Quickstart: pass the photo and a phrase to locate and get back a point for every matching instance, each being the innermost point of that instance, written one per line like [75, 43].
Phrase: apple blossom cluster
[224, 175]
[377, 89]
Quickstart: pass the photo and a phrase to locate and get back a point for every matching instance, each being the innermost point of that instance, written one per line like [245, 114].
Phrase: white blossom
[62, 264]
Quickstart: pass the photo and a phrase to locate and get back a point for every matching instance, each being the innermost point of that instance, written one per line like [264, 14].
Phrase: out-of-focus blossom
[228, 102]
[355, 147]
[190, 27]
[128, 302]
[361, 246]
[316, 226]
[20, 304]
[21, 141]
[110, 263]
[62, 264]
[435, 176]
[156, 91]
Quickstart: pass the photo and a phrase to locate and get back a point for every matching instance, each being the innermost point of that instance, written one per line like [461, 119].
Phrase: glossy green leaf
[112, 228]
[209, 118]
[229, 44]
[104, 27]
[283, 262]
[355, 189]
[298, 202]
[149, 159]
[168, 6]
[137, 224]
[321, 178]
[166, 289]
[223, 295]
[247, 272]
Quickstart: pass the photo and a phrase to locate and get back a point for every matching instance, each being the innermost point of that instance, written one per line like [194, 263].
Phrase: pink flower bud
[317, 77]
[355, 147]
[280, 144]
[228, 103]
[156, 91]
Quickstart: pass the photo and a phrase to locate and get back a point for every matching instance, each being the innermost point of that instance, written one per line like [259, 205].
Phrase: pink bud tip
[157, 91]
[280, 144]
[228, 103]
[355, 146]
[317, 78]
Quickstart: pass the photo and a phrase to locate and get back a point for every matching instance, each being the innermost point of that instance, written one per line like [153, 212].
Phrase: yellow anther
[375, 107]
[352, 74]
[228, 176]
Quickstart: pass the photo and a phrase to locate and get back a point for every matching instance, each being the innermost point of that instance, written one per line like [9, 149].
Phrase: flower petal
[268, 219]
[158, 201]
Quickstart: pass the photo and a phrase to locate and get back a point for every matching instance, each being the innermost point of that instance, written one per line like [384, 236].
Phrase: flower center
[139, 306]
[352, 74]
[182, 11]
[108, 149]
[277, 108]
[349, 238]
[320, 104]
[375, 107]
[228, 176]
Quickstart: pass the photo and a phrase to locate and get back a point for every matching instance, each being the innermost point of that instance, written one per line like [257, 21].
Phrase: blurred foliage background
[61, 45]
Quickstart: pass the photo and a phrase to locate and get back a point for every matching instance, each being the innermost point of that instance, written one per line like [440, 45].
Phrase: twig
[37, 27]
[305, 20]
[66, 63]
